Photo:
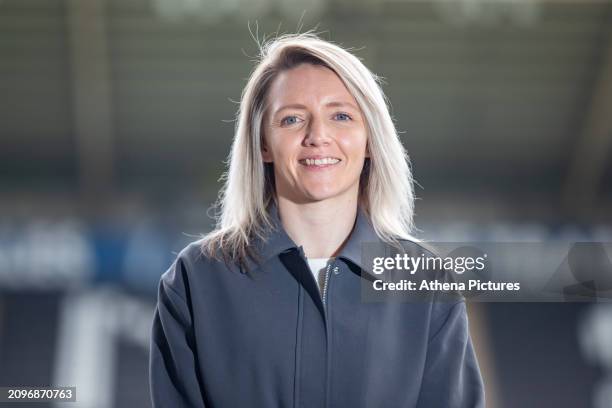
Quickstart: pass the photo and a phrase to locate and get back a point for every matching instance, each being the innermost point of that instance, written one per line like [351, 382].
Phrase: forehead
[308, 83]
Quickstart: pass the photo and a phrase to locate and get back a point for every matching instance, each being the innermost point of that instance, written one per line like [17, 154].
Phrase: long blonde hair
[386, 185]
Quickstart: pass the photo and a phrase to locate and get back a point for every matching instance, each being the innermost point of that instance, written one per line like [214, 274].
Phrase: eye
[289, 120]
[341, 116]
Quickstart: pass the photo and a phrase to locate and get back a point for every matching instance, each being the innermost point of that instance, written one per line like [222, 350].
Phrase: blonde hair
[386, 185]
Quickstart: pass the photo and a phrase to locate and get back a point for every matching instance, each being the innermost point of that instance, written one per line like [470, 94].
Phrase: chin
[314, 198]
[321, 194]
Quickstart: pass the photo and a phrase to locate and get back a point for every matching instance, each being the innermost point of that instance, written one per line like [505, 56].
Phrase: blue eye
[289, 120]
[342, 116]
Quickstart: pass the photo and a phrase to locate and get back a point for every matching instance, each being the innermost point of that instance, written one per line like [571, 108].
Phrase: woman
[266, 310]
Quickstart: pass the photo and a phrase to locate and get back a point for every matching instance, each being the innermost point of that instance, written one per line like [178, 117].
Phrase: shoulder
[443, 303]
[198, 255]
[414, 245]
[192, 254]
[192, 264]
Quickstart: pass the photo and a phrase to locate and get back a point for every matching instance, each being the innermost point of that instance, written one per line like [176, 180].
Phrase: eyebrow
[333, 104]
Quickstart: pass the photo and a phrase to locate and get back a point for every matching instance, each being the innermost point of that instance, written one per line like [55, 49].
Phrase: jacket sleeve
[452, 376]
[173, 375]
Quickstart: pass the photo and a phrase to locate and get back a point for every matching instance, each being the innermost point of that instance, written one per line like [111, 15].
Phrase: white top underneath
[318, 266]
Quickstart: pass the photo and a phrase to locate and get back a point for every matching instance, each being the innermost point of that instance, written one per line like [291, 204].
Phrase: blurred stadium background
[116, 116]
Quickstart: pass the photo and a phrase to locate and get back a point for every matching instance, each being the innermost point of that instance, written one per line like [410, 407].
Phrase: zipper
[326, 282]
[328, 272]
[328, 329]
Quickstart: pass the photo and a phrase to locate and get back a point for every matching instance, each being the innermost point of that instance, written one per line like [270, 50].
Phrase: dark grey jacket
[223, 339]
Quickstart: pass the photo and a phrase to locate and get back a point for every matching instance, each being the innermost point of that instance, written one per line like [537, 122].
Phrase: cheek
[354, 144]
[284, 149]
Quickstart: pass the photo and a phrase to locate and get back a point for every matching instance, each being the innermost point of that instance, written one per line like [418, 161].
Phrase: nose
[316, 133]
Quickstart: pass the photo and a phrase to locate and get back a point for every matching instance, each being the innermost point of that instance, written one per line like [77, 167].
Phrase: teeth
[321, 162]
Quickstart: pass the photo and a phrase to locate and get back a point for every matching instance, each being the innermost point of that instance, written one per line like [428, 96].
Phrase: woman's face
[315, 136]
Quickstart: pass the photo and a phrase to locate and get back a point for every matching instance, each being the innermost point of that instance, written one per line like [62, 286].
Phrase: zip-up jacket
[223, 338]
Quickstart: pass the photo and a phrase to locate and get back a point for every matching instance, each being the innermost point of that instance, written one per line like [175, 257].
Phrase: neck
[320, 227]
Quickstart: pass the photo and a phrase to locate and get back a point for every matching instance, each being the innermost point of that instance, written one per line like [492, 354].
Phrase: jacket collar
[276, 240]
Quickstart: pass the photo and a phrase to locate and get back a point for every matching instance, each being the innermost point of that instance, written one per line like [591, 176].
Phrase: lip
[318, 156]
[320, 167]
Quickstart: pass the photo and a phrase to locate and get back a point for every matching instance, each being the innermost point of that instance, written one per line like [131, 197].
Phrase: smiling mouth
[326, 161]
